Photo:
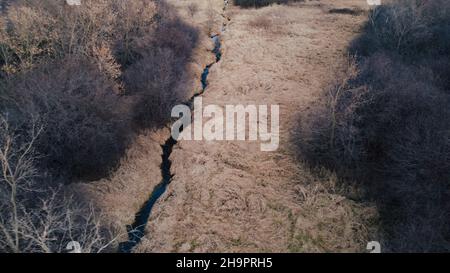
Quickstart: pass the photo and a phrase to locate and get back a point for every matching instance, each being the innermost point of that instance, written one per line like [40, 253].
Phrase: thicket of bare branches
[92, 72]
[93, 75]
[33, 31]
[86, 121]
[36, 216]
[386, 123]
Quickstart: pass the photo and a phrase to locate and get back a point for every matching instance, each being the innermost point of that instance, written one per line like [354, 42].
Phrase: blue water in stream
[218, 53]
[137, 230]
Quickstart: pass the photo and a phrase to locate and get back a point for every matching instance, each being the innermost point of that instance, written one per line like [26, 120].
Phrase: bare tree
[16, 170]
[34, 216]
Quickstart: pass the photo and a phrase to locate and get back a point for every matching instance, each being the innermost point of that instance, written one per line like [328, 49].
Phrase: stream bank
[137, 230]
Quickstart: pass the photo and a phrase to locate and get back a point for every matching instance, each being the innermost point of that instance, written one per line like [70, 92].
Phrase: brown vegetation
[229, 196]
[91, 73]
[77, 83]
[93, 76]
[36, 216]
[386, 123]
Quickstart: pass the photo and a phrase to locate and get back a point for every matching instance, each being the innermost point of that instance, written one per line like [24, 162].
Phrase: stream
[137, 230]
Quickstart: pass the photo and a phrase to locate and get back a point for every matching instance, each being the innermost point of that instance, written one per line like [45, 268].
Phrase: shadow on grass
[261, 3]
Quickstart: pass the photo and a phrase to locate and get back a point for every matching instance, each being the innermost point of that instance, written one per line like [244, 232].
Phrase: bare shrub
[91, 73]
[390, 134]
[86, 119]
[35, 217]
[33, 30]
[106, 62]
[387, 124]
[85, 70]
[411, 28]
[175, 35]
[158, 80]
[153, 80]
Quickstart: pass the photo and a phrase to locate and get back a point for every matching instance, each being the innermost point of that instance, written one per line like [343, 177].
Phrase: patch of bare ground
[230, 196]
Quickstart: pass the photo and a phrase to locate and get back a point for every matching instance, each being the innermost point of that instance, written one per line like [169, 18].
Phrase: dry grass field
[230, 196]
[86, 94]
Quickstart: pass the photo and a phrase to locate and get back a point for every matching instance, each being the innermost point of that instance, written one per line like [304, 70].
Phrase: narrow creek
[137, 230]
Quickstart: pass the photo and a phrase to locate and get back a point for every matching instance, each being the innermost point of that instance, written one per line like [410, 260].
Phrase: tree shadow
[261, 3]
